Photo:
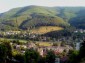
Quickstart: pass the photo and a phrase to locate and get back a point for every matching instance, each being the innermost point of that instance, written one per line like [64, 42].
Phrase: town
[60, 47]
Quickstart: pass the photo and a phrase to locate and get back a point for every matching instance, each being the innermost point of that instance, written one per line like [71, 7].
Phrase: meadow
[45, 29]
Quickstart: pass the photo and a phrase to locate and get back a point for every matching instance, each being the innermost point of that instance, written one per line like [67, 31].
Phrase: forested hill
[33, 16]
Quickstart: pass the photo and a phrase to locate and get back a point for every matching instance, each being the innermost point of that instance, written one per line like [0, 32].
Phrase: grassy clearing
[41, 43]
[46, 29]
[44, 43]
[2, 39]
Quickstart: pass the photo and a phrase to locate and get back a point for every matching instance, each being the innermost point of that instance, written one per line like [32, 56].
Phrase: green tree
[77, 57]
[31, 56]
[6, 50]
[82, 51]
[3, 53]
[73, 56]
[42, 60]
[19, 58]
[50, 57]
[9, 49]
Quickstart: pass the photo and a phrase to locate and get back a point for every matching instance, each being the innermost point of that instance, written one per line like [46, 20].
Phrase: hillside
[79, 20]
[42, 20]
[34, 16]
[31, 16]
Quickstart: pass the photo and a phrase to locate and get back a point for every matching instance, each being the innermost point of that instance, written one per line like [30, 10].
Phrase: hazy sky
[5, 5]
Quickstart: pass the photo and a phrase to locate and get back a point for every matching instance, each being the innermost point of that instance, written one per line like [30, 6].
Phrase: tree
[9, 49]
[77, 57]
[42, 60]
[73, 56]
[3, 53]
[82, 51]
[50, 57]
[19, 58]
[31, 56]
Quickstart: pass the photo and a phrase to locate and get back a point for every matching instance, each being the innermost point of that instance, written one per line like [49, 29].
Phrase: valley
[39, 34]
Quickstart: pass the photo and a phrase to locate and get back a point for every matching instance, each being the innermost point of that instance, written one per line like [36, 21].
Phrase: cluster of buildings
[41, 49]
[11, 32]
[79, 30]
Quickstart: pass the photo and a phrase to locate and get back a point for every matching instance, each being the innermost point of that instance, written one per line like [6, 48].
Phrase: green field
[2, 39]
[44, 43]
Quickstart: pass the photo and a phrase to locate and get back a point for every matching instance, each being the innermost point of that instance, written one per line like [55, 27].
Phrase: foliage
[79, 20]
[82, 51]
[73, 56]
[31, 56]
[5, 51]
[77, 57]
[19, 58]
[50, 57]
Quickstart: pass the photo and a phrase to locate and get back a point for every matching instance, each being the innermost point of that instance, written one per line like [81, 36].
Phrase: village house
[40, 50]
[31, 45]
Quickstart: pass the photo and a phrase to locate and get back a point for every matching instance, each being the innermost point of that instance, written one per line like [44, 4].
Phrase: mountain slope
[79, 20]
[34, 16]
[31, 16]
